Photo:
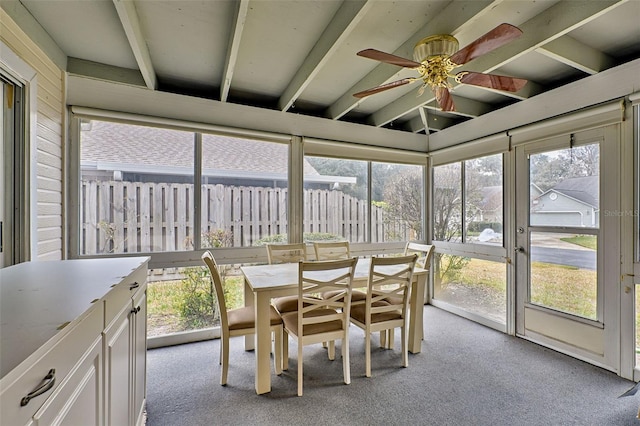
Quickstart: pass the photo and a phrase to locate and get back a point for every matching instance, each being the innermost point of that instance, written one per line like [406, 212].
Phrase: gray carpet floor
[466, 374]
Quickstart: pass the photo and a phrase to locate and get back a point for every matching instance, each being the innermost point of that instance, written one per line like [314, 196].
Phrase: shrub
[198, 307]
[308, 237]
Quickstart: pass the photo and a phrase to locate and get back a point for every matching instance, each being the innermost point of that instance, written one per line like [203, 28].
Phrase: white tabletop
[283, 275]
[36, 298]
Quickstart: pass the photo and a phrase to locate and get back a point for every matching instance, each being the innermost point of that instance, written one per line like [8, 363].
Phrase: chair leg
[224, 344]
[300, 364]
[405, 352]
[391, 338]
[383, 338]
[346, 364]
[367, 353]
[332, 350]
[285, 350]
[277, 342]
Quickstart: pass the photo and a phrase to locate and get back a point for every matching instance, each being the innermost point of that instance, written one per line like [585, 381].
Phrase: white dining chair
[386, 305]
[321, 320]
[239, 322]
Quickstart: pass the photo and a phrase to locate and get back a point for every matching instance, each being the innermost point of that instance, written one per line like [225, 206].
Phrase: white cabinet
[77, 401]
[140, 357]
[125, 353]
[73, 342]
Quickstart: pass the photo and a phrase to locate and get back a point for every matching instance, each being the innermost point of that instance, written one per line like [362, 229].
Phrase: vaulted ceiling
[299, 56]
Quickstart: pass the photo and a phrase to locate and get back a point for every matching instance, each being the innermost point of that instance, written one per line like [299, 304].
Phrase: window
[335, 199]
[468, 201]
[396, 202]
[136, 188]
[468, 211]
[244, 192]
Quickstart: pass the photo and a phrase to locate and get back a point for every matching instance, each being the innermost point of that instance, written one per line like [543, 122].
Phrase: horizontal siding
[51, 172]
[49, 234]
[47, 120]
[49, 249]
[49, 221]
[50, 197]
[45, 183]
[49, 209]
[50, 135]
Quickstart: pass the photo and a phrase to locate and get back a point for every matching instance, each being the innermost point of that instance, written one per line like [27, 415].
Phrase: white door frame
[597, 342]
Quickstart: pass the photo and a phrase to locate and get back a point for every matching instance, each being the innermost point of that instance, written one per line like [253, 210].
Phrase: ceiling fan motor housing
[435, 45]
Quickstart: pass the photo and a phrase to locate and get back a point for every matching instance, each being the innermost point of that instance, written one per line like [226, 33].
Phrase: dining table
[265, 282]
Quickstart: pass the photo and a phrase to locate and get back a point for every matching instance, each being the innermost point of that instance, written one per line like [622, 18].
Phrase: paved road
[584, 259]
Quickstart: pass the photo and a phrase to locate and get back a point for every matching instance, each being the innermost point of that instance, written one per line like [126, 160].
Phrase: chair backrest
[216, 280]
[424, 251]
[390, 283]
[331, 250]
[315, 278]
[286, 253]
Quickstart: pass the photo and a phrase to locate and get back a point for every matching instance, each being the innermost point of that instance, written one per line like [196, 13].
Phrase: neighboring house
[124, 152]
[572, 202]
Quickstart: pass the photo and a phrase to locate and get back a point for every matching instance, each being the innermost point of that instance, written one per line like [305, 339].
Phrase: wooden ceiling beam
[343, 23]
[240, 16]
[578, 55]
[129, 18]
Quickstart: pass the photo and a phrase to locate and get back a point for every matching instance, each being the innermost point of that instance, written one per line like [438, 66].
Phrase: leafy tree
[447, 224]
[582, 160]
[402, 196]
[547, 170]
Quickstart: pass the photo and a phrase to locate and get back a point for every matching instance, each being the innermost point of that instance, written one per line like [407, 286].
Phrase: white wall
[47, 149]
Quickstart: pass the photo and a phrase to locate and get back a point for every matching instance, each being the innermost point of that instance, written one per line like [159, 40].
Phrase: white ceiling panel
[299, 56]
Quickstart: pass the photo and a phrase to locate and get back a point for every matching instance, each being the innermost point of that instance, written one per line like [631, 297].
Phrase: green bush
[198, 307]
[308, 238]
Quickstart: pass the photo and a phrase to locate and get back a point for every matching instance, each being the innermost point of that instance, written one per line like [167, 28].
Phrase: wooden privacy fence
[132, 217]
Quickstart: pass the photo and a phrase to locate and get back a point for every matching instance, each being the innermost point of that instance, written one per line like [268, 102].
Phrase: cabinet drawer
[77, 400]
[61, 356]
[122, 293]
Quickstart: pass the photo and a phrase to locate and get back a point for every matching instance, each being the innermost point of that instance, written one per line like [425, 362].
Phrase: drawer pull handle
[134, 285]
[46, 384]
[135, 310]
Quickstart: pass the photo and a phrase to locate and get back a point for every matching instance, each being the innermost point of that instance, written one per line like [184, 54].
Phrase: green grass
[588, 241]
[165, 297]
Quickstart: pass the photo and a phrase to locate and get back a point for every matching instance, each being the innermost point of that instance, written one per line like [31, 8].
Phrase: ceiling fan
[436, 56]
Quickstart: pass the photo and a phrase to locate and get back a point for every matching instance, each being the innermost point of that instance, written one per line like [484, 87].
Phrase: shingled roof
[585, 189]
[117, 146]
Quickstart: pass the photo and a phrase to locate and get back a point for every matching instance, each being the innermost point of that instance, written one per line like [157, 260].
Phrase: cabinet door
[117, 350]
[139, 356]
[78, 400]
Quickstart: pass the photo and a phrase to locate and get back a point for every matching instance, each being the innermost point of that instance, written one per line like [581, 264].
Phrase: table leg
[249, 341]
[263, 343]
[416, 331]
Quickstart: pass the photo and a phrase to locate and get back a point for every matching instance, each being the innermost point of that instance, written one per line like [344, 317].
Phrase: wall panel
[49, 141]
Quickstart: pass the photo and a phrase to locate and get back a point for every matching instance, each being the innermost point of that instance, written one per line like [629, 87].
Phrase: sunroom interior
[163, 129]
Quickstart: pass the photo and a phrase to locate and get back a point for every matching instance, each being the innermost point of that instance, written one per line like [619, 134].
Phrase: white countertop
[36, 298]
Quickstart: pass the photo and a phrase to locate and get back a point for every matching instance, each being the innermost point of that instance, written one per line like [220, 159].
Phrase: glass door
[559, 244]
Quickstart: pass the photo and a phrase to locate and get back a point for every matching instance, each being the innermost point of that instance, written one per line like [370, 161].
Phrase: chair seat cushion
[358, 313]
[356, 295]
[242, 318]
[290, 320]
[395, 300]
[286, 303]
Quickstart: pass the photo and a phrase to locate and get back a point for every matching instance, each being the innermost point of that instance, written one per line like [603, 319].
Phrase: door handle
[519, 249]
